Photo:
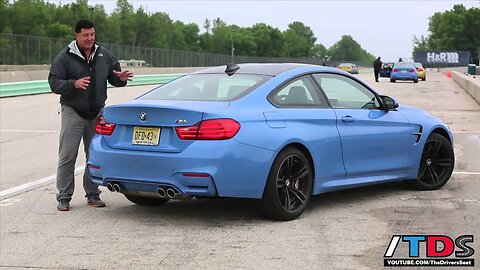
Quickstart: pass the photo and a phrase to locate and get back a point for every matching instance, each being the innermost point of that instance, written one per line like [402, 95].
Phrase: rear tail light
[195, 174]
[412, 70]
[395, 70]
[213, 129]
[419, 69]
[103, 127]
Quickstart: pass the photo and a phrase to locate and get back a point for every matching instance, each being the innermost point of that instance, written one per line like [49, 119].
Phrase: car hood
[420, 116]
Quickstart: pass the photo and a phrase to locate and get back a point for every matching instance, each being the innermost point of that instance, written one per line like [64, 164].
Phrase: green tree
[420, 44]
[299, 40]
[158, 30]
[4, 18]
[347, 49]
[124, 16]
[319, 51]
[220, 39]
[30, 17]
[269, 41]
[456, 29]
[242, 40]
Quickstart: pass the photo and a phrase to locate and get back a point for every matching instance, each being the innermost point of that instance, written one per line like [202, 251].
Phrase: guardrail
[37, 87]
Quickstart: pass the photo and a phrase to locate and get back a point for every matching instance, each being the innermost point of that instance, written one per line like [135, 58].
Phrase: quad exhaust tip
[171, 193]
[167, 192]
[110, 187]
[113, 187]
[161, 192]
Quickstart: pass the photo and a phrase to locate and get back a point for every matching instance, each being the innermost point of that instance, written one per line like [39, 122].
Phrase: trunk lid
[149, 125]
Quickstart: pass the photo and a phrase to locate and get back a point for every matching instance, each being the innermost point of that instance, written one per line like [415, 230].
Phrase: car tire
[392, 80]
[424, 78]
[415, 81]
[147, 201]
[436, 164]
[289, 186]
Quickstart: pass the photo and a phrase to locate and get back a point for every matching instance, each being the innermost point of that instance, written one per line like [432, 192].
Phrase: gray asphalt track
[341, 230]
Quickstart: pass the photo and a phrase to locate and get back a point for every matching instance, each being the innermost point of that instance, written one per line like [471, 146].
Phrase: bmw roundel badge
[142, 116]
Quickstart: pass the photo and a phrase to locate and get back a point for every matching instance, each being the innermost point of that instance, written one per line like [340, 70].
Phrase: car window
[387, 65]
[343, 92]
[300, 92]
[403, 65]
[207, 87]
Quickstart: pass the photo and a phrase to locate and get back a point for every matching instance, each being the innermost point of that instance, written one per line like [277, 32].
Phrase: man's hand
[82, 83]
[124, 75]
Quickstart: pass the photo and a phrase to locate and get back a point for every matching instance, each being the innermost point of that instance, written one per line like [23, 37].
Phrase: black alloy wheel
[146, 201]
[436, 164]
[289, 186]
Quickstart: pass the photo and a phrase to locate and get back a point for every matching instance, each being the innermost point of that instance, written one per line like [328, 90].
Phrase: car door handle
[348, 119]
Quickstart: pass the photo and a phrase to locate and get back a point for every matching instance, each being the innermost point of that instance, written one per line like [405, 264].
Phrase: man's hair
[86, 24]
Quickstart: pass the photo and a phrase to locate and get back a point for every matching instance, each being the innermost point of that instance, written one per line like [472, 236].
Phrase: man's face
[86, 38]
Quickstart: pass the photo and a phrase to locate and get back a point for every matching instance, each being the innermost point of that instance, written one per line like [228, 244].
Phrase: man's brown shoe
[95, 202]
[63, 205]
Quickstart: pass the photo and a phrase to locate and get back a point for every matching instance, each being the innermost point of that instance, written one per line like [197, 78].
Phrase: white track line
[464, 131]
[33, 184]
[467, 173]
[27, 130]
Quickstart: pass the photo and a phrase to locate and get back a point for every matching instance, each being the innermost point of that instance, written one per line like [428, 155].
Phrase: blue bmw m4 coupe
[279, 133]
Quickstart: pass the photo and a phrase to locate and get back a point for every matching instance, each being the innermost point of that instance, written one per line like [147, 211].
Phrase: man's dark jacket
[377, 64]
[70, 65]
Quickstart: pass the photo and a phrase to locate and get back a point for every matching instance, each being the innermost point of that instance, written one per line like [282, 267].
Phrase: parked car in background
[386, 69]
[277, 133]
[421, 71]
[404, 71]
[349, 67]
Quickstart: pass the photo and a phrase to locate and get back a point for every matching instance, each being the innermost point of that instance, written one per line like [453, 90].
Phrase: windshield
[207, 87]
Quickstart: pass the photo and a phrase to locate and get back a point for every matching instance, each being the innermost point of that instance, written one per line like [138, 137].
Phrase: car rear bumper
[205, 168]
[404, 76]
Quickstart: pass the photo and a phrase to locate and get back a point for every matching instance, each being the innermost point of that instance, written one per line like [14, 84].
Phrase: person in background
[79, 74]
[377, 66]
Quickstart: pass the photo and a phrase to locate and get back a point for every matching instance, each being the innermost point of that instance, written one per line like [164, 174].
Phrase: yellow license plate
[146, 135]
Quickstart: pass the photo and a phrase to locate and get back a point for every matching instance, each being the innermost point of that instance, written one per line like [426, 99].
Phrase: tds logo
[437, 249]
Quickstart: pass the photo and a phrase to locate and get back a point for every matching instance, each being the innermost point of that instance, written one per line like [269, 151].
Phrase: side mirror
[389, 103]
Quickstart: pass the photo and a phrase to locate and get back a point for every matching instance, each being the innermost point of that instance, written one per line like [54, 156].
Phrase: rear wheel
[392, 80]
[289, 186]
[436, 164]
[149, 201]
[424, 78]
[415, 81]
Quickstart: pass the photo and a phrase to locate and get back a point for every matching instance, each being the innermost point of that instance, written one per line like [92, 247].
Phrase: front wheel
[148, 201]
[436, 164]
[289, 186]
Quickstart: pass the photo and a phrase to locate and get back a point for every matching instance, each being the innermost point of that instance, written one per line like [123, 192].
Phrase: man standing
[79, 74]
[377, 66]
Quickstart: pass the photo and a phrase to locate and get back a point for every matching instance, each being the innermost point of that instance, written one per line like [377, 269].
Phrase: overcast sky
[383, 28]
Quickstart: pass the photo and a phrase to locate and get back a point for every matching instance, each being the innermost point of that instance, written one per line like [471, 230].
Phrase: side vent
[417, 133]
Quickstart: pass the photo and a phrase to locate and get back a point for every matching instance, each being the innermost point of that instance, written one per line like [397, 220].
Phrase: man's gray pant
[73, 129]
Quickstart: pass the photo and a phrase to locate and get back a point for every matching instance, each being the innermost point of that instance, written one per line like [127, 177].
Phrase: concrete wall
[31, 73]
[470, 83]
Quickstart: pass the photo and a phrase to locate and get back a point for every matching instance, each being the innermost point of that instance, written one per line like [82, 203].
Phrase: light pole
[233, 48]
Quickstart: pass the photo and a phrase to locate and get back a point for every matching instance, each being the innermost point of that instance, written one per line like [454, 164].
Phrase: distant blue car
[279, 133]
[404, 71]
